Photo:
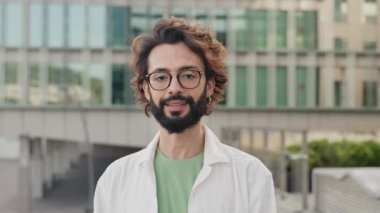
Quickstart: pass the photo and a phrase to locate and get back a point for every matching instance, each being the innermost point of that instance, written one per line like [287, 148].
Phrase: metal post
[90, 162]
[25, 189]
[252, 140]
[266, 151]
[282, 165]
[305, 171]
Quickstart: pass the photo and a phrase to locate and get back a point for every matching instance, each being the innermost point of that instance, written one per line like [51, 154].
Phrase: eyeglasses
[188, 79]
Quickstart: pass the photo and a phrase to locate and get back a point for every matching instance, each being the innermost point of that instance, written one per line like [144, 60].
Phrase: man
[179, 75]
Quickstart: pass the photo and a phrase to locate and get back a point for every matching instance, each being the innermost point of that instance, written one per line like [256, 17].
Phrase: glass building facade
[77, 52]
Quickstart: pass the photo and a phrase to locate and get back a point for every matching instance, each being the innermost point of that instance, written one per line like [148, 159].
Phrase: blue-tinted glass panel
[76, 26]
[338, 88]
[1, 23]
[155, 15]
[122, 92]
[74, 79]
[281, 87]
[179, 12]
[220, 26]
[340, 44]
[200, 16]
[12, 88]
[36, 18]
[97, 26]
[282, 28]
[118, 25]
[261, 86]
[370, 93]
[35, 91]
[306, 30]
[129, 93]
[241, 86]
[301, 87]
[370, 12]
[340, 10]
[13, 24]
[118, 84]
[240, 24]
[139, 21]
[55, 92]
[259, 27]
[55, 25]
[97, 78]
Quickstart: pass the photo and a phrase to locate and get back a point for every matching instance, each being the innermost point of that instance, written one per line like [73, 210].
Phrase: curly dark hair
[200, 40]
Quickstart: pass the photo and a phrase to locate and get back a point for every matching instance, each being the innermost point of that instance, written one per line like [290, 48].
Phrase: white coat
[230, 181]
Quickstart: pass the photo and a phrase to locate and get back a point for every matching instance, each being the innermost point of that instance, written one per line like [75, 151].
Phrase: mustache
[188, 100]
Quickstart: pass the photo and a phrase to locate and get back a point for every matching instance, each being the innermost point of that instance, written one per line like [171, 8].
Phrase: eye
[188, 74]
[160, 76]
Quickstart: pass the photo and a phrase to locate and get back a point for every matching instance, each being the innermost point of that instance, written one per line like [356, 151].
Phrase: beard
[175, 123]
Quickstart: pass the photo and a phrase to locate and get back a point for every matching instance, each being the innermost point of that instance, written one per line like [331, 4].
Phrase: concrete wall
[9, 148]
[131, 128]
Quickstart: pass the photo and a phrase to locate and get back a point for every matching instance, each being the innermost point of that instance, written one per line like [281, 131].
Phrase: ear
[210, 87]
[146, 90]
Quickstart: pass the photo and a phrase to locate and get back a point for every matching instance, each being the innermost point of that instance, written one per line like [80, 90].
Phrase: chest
[219, 191]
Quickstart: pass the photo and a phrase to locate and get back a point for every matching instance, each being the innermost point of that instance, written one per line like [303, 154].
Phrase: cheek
[155, 97]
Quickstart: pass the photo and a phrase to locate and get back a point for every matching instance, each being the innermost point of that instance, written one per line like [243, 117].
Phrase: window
[281, 87]
[338, 93]
[36, 21]
[139, 21]
[282, 28]
[76, 92]
[13, 25]
[261, 86]
[301, 87]
[220, 26]
[179, 12]
[369, 46]
[35, 91]
[155, 15]
[241, 86]
[370, 96]
[201, 16]
[76, 33]
[340, 13]
[369, 12]
[97, 77]
[12, 88]
[306, 30]
[240, 25]
[55, 26]
[340, 44]
[259, 26]
[55, 92]
[97, 26]
[122, 93]
[1, 23]
[118, 25]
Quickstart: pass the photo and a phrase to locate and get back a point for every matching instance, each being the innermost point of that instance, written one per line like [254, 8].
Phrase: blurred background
[303, 96]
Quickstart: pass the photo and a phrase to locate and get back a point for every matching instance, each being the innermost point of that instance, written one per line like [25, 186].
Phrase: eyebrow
[192, 67]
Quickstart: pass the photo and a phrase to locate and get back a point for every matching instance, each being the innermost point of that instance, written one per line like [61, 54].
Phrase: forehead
[173, 57]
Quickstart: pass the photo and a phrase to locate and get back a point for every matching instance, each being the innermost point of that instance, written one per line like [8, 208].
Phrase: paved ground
[70, 195]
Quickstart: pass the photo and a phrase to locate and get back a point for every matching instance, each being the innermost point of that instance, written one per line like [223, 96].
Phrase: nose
[175, 87]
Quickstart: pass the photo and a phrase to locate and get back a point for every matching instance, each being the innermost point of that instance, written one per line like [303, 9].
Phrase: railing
[269, 145]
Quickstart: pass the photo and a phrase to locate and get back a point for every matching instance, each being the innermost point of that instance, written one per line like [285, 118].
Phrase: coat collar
[213, 152]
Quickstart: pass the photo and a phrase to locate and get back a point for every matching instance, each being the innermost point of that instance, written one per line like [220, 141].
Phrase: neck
[183, 145]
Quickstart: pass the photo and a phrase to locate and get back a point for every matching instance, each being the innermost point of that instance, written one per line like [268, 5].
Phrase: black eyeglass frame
[147, 78]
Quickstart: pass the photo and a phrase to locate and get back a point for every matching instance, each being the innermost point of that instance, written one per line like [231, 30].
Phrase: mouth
[176, 105]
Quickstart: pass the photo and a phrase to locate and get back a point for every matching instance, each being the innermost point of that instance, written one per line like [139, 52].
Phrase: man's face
[184, 101]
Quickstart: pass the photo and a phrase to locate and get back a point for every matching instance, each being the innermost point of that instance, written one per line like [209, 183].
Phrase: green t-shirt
[174, 180]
